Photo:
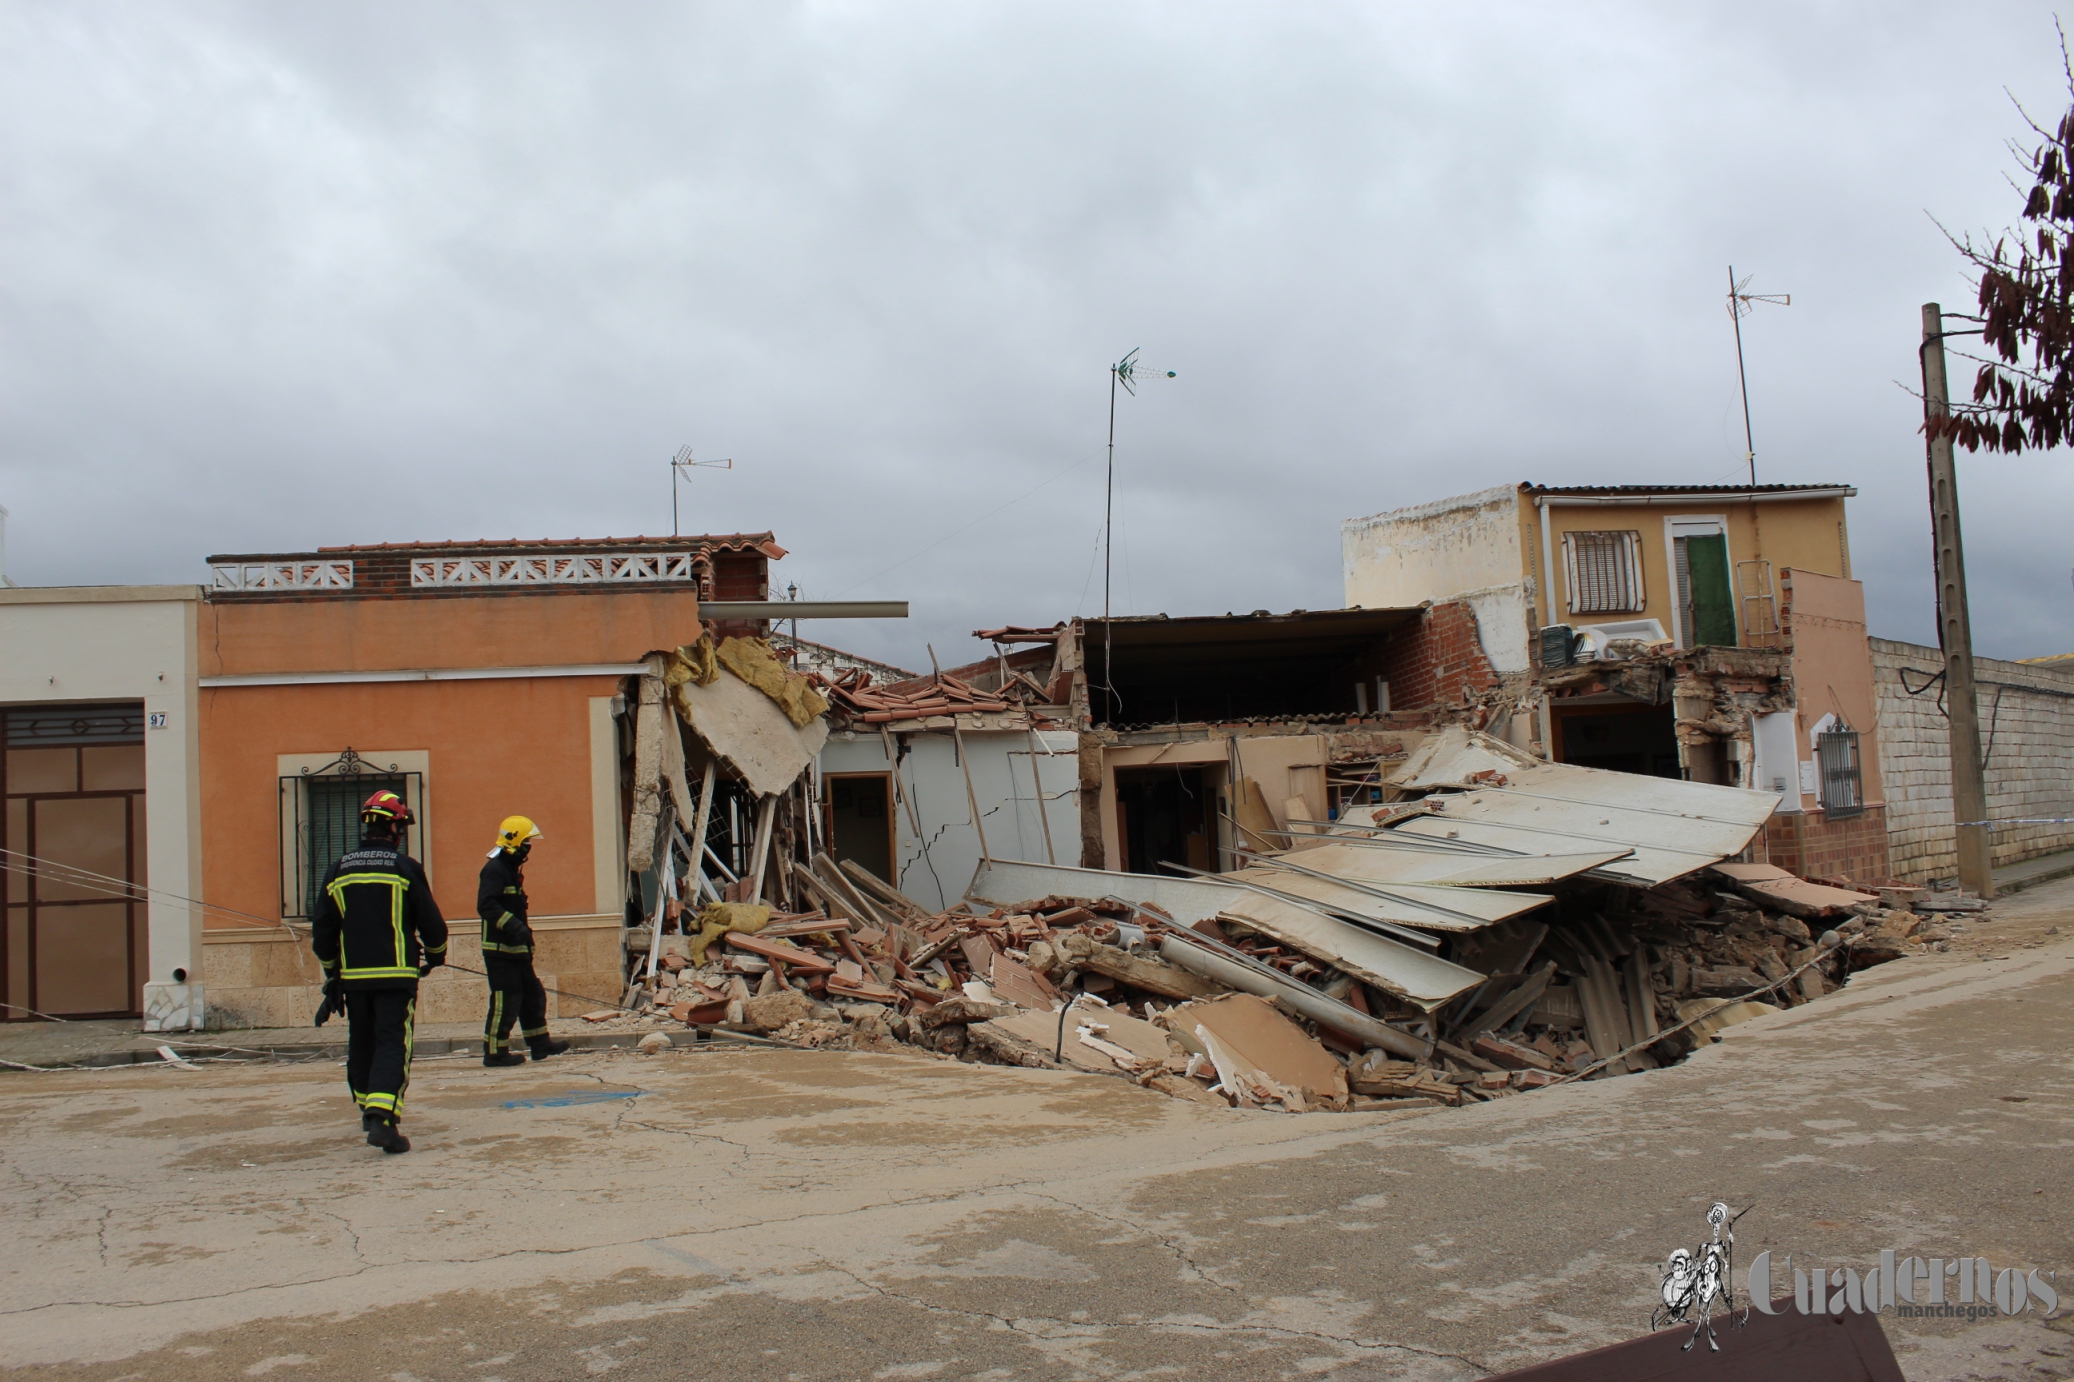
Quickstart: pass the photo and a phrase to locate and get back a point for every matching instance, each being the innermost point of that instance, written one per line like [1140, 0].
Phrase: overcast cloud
[281, 276]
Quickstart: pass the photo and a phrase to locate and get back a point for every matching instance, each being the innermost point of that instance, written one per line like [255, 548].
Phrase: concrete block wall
[2027, 741]
[268, 978]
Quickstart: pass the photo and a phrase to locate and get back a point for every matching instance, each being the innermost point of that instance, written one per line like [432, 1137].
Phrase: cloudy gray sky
[278, 276]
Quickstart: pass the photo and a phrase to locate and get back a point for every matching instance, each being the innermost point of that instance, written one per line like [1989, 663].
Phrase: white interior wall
[1464, 548]
[936, 865]
[1436, 551]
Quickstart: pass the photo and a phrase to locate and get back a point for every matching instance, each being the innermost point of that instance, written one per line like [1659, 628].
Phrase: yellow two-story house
[1708, 632]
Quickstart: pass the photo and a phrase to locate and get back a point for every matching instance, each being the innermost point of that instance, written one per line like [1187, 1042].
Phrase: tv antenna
[1127, 374]
[1741, 302]
[679, 465]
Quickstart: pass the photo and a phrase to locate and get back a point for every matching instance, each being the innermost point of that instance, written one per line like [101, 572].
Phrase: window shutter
[1605, 571]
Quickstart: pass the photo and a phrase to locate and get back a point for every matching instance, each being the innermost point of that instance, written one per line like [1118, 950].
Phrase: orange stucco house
[478, 679]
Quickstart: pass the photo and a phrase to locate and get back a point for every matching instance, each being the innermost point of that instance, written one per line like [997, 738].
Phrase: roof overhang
[1686, 499]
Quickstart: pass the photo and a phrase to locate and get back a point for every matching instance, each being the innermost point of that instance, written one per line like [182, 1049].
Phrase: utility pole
[1954, 628]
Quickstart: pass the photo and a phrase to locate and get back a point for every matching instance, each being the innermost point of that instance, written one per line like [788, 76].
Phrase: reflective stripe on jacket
[376, 921]
[500, 900]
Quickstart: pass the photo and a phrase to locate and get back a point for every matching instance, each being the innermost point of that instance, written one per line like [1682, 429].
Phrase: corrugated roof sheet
[1672, 827]
[1617, 490]
[1390, 965]
[1390, 862]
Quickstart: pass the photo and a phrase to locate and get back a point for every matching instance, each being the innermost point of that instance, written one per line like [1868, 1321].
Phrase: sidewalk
[118, 1042]
[2014, 878]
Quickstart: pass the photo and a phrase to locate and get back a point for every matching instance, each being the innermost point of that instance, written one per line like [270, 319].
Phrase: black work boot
[503, 1058]
[547, 1046]
[382, 1132]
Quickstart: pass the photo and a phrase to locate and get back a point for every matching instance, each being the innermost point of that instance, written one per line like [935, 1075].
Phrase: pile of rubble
[1604, 980]
[855, 694]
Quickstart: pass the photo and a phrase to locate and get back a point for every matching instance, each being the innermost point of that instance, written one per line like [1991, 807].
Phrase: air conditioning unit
[1558, 646]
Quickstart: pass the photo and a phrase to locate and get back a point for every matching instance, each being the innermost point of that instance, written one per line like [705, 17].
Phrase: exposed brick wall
[2027, 740]
[740, 576]
[1810, 844]
[1438, 661]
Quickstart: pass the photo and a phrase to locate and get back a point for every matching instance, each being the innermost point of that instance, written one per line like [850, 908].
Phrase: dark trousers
[378, 1044]
[516, 995]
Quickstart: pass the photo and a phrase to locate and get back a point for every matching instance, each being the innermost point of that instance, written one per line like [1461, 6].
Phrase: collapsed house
[1479, 837]
[1499, 925]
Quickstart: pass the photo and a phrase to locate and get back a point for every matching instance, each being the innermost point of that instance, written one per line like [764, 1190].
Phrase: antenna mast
[1124, 372]
[680, 465]
[1740, 303]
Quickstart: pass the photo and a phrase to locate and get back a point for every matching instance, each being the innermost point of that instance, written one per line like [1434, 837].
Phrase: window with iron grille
[1605, 571]
[326, 824]
[1836, 754]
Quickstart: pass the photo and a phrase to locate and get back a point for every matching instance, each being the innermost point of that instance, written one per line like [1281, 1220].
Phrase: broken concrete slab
[1078, 1035]
[1266, 1041]
[1772, 886]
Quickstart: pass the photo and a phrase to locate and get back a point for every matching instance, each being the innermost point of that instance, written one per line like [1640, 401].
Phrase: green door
[1710, 608]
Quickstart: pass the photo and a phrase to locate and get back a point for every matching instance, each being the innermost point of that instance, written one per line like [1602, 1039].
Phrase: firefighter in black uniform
[516, 994]
[377, 932]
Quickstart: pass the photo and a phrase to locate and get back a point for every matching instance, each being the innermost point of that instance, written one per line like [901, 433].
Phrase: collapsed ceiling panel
[1388, 965]
[1396, 861]
[746, 729]
[1428, 907]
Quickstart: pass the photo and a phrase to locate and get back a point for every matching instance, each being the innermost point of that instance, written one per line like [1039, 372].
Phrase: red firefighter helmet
[386, 806]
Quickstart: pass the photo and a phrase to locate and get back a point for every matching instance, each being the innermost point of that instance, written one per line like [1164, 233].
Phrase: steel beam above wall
[803, 609]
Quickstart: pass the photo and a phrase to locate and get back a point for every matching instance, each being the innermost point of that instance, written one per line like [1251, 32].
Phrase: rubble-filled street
[1268, 731]
[749, 1213]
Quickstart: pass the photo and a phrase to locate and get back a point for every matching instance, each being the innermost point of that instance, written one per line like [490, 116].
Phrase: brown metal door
[73, 830]
[80, 935]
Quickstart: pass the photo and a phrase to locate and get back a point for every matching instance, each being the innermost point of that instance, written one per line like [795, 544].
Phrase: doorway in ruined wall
[1624, 738]
[1704, 605]
[1166, 815]
[72, 928]
[861, 821]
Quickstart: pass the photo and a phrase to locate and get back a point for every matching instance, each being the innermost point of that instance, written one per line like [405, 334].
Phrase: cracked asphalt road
[757, 1214]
